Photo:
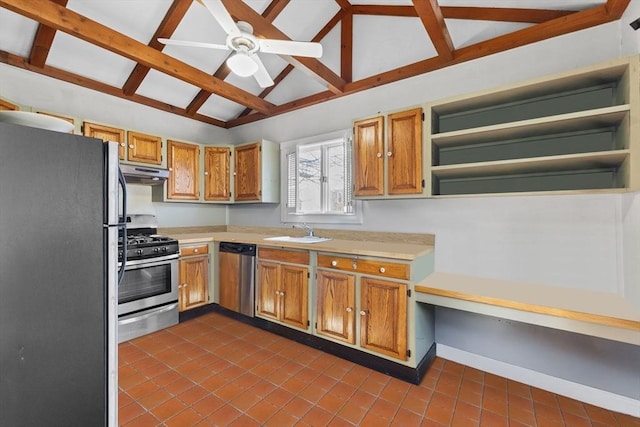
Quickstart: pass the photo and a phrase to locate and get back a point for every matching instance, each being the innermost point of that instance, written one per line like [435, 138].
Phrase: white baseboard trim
[583, 393]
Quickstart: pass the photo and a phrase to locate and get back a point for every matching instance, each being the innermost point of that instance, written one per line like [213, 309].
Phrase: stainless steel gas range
[148, 293]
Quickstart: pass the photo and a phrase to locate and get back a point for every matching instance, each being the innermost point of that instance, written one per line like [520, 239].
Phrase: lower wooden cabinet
[282, 289]
[336, 300]
[193, 283]
[382, 312]
[383, 317]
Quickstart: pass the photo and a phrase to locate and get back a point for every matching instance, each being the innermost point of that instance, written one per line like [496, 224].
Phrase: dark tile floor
[216, 371]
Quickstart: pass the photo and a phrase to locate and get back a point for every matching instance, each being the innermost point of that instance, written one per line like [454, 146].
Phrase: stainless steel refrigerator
[59, 204]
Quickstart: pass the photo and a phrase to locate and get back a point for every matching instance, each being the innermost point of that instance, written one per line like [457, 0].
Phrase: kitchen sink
[304, 239]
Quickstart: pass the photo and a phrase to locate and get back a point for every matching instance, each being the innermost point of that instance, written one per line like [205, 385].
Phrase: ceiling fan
[244, 60]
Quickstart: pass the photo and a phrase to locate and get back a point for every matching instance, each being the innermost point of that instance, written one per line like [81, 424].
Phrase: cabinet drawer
[293, 257]
[378, 268]
[194, 250]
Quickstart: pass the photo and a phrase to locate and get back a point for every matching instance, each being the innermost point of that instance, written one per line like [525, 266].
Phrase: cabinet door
[183, 161]
[144, 148]
[105, 133]
[268, 289]
[368, 147]
[216, 173]
[247, 172]
[335, 305]
[194, 282]
[294, 301]
[404, 152]
[383, 317]
[229, 280]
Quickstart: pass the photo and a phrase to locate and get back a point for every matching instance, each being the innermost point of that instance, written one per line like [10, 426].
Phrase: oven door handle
[148, 314]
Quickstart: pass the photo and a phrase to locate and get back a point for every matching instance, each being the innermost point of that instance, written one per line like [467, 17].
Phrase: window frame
[287, 214]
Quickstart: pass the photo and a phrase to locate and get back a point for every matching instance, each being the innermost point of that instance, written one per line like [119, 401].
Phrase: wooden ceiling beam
[615, 8]
[43, 41]
[264, 28]
[563, 25]
[66, 20]
[431, 16]
[289, 68]
[56, 73]
[499, 14]
[503, 14]
[346, 47]
[344, 4]
[171, 20]
[270, 13]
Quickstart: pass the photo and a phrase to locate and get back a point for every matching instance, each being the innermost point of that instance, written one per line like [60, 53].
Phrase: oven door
[148, 283]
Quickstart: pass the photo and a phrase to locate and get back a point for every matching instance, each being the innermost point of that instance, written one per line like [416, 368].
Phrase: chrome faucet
[306, 228]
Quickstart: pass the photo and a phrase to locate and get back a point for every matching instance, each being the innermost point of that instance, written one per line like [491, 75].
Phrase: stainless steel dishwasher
[236, 277]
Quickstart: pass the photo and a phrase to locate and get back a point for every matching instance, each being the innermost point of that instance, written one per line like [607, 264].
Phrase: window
[318, 180]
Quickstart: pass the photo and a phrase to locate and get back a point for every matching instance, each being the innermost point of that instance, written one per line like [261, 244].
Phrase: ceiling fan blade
[192, 44]
[262, 75]
[289, 47]
[223, 17]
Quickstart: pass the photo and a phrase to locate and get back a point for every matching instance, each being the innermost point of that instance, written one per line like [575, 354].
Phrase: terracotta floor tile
[187, 417]
[214, 370]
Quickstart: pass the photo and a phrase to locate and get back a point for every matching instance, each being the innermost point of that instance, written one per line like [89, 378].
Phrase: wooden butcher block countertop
[399, 248]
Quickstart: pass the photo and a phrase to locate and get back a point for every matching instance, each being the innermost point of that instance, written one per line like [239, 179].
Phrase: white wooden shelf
[583, 161]
[571, 122]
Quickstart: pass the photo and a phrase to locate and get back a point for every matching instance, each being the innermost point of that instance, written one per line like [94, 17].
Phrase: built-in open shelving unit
[571, 132]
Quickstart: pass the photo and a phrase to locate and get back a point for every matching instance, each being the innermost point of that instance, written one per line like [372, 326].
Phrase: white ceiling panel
[221, 108]
[465, 33]
[303, 19]
[77, 56]
[296, 85]
[331, 49]
[385, 43]
[162, 87]
[134, 18]
[16, 32]
[526, 4]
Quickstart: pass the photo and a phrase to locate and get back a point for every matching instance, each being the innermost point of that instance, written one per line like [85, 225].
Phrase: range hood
[144, 174]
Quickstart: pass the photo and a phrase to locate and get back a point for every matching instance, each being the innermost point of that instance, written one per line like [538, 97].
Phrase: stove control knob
[164, 249]
[156, 250]
[139, 251]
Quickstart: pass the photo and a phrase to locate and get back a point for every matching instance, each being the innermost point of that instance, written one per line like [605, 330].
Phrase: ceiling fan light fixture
[242, 64]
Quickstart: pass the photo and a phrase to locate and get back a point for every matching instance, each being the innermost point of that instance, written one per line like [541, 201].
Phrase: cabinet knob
[170, 169]
[349, 309]
[184, 285]
[354, 266]
[195, 250]
[206, 173]
[379, 155]
[334, 263]
[382, 269]
[389, 154]
[122, 144]
[363, 313]
[130, 145]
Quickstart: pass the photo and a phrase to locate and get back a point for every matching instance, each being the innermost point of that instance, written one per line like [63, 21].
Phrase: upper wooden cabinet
[392, 165]
[106, 133]
[144, 148]
[183, 161]
[217, 164]
[368, 148]
[257, 172]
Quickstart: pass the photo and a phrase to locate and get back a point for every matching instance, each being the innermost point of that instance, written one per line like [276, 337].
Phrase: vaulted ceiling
[111, 46]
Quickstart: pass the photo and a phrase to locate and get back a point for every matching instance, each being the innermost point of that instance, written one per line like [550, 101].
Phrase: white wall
[556, 240]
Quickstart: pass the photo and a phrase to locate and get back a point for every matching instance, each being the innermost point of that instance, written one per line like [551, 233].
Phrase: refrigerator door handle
[123, 225]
